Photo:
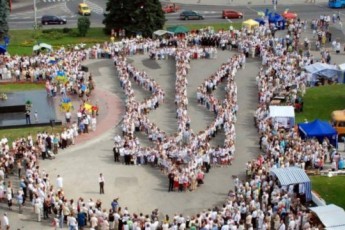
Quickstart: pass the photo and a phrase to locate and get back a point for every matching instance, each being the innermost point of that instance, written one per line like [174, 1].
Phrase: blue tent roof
[2, 49]
[317, 128]
[274, 17]
[261, 21]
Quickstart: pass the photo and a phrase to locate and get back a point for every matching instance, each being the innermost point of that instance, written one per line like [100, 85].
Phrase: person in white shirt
[59, 182]
[5, 223]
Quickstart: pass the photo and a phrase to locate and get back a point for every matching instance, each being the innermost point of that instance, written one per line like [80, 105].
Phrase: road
[23, 17]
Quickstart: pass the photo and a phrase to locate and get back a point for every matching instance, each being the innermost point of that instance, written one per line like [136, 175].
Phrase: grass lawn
[13, 134]
[319, 102]
[330, 189]
[22, 41]
[13, 87]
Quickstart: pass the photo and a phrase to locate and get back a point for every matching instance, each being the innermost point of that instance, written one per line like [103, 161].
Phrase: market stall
[250, 24]
[331, 216]
[318, 129]
[294, 176]
[284, 115]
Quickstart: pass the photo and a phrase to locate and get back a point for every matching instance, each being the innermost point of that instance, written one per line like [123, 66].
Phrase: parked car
[170, 8]
[190, 15]
[52, 20]
[289, 15]
[84, 9]
[232, 14]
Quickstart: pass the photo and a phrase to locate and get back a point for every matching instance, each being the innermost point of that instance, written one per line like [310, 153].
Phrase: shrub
[83, 25]
[66, 30]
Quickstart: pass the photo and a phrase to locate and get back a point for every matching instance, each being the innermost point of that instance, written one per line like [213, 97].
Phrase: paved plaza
[142, 188]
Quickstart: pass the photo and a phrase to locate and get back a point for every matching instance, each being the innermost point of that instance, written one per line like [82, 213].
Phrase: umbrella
[46, 46]
[178, 29]
[36, 47]
[88, 107]
[42, 46]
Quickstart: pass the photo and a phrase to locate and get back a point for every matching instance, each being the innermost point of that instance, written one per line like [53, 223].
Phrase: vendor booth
[250, 24]
[294, 176]
[331, 216]
[161, 33]
[322, 71]
[276, 19]
[284, 115]
[318, 129]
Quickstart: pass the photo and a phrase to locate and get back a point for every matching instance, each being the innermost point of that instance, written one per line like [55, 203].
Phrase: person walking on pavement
[171, 181]
[5, 223]
[101, 183]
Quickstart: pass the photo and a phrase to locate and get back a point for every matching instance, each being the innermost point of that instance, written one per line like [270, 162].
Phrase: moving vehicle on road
[232, 14]
[53, 20]
[190, 15]
[84, 9]
[171, 8]
[288, 15]
[336, 3]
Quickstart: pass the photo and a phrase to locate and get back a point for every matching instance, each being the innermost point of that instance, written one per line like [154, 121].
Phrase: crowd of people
[258, 203]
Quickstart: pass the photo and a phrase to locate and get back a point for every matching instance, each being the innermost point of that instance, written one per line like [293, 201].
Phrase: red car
[231, 14]
[170, 8]
[289, 15]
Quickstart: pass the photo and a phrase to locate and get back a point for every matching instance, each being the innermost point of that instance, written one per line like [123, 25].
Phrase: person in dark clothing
[27, 117]
[171, 181]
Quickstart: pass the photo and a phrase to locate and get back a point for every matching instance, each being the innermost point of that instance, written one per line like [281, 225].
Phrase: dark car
[190, 15]
[50, 19]
[231, 14]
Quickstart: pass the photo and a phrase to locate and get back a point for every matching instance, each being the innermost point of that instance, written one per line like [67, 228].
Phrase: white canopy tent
[342, 69]
[160, 33]
[284, 115]
[319, 69]
[331, 216]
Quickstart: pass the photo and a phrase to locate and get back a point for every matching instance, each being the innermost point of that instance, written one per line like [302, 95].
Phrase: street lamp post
[35, 15]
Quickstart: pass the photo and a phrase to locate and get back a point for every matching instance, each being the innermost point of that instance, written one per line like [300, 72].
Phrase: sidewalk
[241, 2]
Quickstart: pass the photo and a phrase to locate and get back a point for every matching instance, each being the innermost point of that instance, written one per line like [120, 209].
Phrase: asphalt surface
[143, 188]
[22, 16]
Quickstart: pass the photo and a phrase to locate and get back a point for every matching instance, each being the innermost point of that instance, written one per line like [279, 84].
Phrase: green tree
[134, 16]
[83, 25]
[4, 13]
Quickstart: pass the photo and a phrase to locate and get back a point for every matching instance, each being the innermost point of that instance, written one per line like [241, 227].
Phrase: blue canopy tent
[294, 176]
[278, 20]
[2, 49]
[318, 129]
[322, 69]
[261, 21]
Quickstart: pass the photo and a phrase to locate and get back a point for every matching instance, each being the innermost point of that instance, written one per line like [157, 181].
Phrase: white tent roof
[342, 67]
[332, 216]
[162, 32]
[282, 111]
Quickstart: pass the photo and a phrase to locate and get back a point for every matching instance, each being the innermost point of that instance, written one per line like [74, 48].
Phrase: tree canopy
[134, 16]
[4, 13]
